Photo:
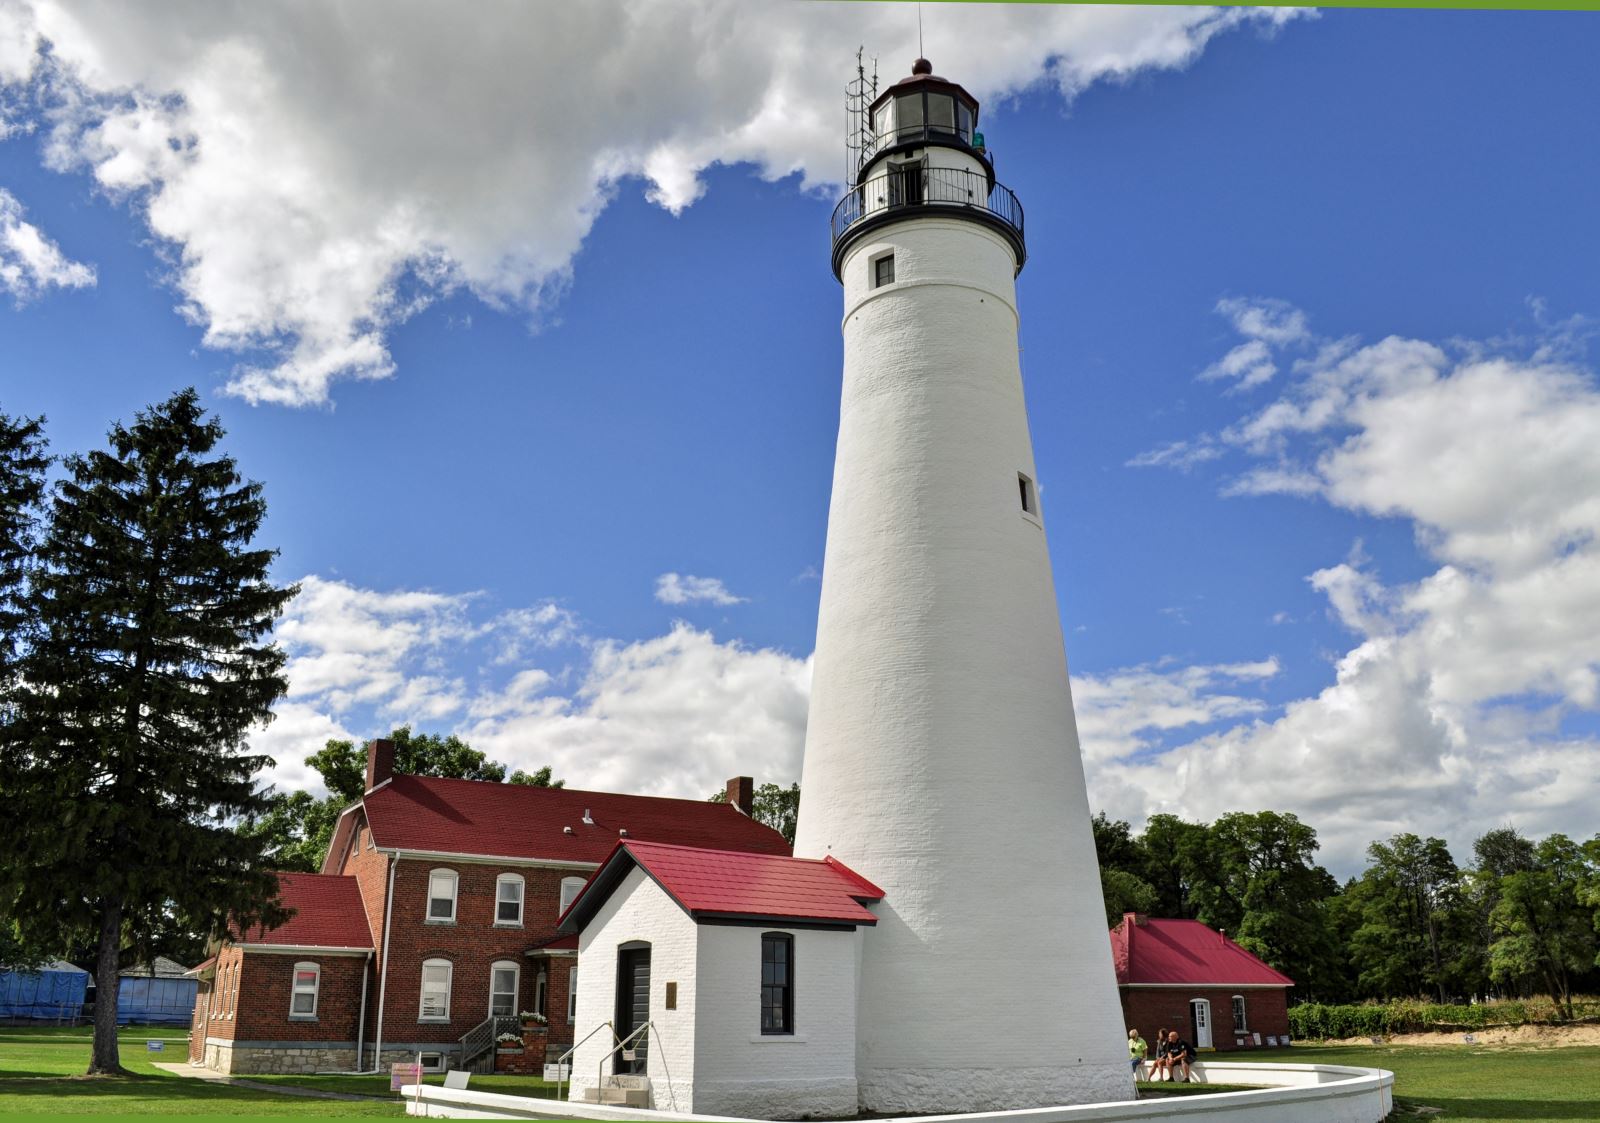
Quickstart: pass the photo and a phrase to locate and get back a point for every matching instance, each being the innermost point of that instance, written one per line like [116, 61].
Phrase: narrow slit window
[777, 983]
[1030, 505]
[883, 271]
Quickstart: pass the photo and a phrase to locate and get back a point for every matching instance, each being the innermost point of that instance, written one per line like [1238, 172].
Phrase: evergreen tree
[22, 467]
[150, 664]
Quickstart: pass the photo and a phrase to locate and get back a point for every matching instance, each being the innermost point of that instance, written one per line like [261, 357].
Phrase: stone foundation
[297, 1059]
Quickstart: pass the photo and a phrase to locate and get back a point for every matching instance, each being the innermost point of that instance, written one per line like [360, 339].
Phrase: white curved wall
[941, 752]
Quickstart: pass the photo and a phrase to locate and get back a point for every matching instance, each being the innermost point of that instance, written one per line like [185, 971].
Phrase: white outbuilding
[729, 979]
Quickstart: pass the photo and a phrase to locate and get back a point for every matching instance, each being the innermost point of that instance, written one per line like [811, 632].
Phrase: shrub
[1316, 1020]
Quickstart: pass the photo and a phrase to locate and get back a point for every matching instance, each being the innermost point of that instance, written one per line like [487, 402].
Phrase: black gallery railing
[921, 186]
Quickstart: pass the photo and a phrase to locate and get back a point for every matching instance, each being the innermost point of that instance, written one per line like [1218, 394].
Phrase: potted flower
[531, 1019]
[509, 1043]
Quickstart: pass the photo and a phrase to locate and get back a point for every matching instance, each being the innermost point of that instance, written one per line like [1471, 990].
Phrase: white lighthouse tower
[941, 755]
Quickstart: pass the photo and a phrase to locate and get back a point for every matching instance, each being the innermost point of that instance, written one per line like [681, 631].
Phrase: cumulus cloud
[1451, 714]
[1268, 327]
[675, 588]
[1121, 713]
[320, 173]
[29, 261]
[671, 715]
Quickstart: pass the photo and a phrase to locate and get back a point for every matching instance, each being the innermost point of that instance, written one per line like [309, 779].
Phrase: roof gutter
[487, 859]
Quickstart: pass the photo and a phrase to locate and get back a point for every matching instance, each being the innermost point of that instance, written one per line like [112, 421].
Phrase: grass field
[40, 1073]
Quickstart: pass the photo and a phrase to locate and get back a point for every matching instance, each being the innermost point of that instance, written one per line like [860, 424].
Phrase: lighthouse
[941, 756]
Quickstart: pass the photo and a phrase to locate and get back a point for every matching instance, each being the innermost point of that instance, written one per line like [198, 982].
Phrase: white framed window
[570, 887]
[303, 993]
[435, 1006]
[1239, 1025]
[572, 995]
[431, 1062]
[442, 896]
[504, 977]
[508, 900]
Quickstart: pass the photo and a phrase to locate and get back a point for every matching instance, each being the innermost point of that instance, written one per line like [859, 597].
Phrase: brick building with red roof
[433, 923]
[1182, 975]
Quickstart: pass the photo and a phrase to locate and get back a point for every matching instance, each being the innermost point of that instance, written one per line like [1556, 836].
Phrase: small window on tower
[883, 271]
[1030, 505]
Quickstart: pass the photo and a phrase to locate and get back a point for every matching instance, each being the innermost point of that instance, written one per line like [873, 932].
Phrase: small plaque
[153, 1046]
[672, 996]
[558, 1072]
[402, 1073]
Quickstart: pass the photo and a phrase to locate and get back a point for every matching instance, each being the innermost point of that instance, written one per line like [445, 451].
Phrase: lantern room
[921, 110]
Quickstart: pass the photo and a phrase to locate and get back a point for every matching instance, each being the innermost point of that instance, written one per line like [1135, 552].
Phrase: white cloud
[1447, 717]
[1268, 326]
[322, 172]
[675, 588]
[1121, 712]
[29, 261]
[1181, 454]
[673, 715]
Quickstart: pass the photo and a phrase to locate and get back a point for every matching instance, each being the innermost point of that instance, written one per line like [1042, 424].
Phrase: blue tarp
[54, 992]
[156, 1002]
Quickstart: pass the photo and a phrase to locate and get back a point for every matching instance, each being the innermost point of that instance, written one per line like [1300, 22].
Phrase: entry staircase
[478, 1043]
[621, 1089]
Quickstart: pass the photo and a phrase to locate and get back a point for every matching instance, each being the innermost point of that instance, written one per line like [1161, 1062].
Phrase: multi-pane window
[435, 990]
[1239, 1025]
[570, 886]
[883, 271]
[572, 995]
[777, 983]
[508, 899]
[442, 895]
[503, 978]
[303, 995]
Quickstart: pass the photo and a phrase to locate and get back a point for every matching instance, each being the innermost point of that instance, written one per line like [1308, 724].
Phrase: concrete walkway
[194, 1072]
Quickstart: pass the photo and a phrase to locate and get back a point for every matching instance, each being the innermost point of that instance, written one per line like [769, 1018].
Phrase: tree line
[1522, 919]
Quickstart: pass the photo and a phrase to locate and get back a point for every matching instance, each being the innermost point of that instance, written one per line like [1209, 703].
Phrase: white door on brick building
[1200, 1016]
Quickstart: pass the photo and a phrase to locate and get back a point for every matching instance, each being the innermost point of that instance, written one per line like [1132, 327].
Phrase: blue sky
[1306, 330]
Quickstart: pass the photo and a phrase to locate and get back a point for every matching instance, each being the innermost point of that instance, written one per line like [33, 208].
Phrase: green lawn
[1473, 1082]
[40, 1072]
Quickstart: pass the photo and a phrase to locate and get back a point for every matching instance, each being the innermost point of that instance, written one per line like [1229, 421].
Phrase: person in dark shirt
[1180, 1054]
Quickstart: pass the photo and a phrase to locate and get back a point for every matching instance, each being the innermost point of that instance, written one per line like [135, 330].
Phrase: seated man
[1180, 1054]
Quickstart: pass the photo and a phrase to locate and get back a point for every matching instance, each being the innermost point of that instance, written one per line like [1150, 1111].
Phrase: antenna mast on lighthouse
[859, 95]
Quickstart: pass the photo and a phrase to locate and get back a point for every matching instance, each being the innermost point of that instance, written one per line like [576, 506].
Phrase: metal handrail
[600, 1070]
[561, 1081]
[482, 1036]
[918, 187]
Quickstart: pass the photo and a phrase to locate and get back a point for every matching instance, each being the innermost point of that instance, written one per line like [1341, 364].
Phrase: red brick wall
[1148, 1009]
[267, 981]
[212, 1004]
[371, 871]
[472, 943]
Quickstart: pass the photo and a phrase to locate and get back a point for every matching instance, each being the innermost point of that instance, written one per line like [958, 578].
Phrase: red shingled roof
[1185, 952]
[520, 821]
[712, 884]
[327, 914]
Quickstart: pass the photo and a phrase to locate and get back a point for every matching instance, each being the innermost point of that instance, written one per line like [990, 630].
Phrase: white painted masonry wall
[639, 910]
[738, 1071]
[941, 756]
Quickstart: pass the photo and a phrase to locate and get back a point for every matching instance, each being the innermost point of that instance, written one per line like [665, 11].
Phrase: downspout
[361, 1020]
[383, 981]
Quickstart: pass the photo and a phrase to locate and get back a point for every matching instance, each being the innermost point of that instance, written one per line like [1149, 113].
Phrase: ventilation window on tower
[883, 271]
[1025, 486]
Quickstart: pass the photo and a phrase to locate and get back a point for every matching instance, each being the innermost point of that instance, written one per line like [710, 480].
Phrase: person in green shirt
[1137, 1049]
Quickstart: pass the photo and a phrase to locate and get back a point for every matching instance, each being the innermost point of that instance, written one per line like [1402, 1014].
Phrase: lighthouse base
[945, 1091]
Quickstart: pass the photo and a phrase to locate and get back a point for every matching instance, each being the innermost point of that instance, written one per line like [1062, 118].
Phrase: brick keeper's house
[1185, 976]
[434, 913]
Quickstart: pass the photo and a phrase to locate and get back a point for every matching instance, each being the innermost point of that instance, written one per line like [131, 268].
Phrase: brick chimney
[742, 793]
[380, 761]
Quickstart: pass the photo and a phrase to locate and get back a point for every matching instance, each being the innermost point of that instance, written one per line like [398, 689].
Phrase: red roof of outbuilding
[328, 913]
[721, 884]
[1185, 952]
[520, 821]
